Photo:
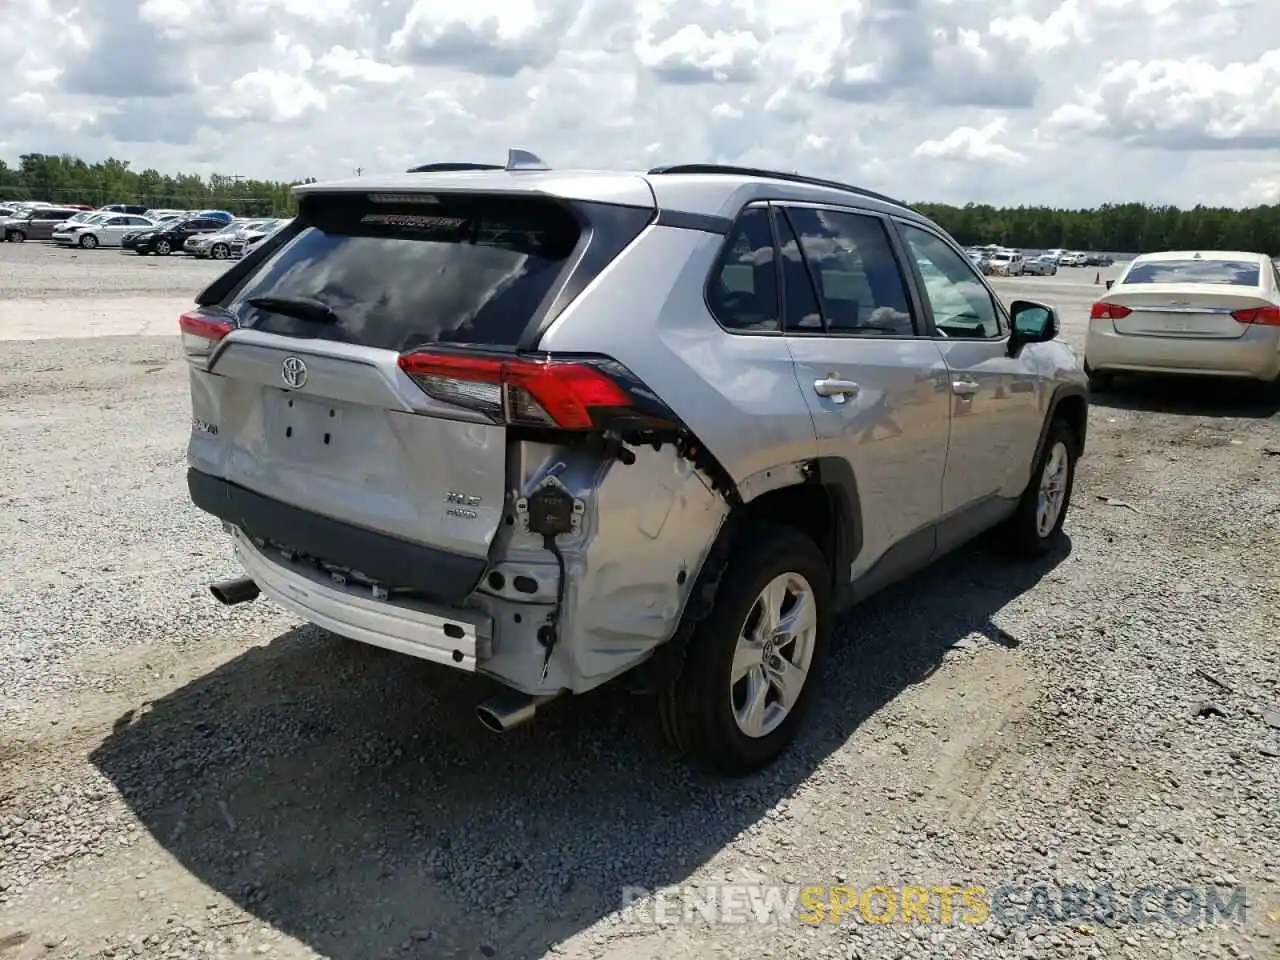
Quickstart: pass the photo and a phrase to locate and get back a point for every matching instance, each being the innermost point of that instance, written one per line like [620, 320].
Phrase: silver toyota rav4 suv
[559, 426]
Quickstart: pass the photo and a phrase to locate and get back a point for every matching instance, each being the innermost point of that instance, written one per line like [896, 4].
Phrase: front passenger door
[996, 399]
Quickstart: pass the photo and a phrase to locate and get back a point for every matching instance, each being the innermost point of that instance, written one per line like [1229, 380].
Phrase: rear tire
[705, 715]
[1037, 523]
[219, 251]
[162, 248]
[16, 236]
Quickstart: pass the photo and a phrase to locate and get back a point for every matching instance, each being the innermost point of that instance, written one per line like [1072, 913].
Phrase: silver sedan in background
[1041, 267]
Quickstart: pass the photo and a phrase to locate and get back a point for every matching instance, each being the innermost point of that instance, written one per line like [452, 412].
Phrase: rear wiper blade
[300, 308]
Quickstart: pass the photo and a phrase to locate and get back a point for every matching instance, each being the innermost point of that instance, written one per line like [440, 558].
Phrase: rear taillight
[1264, 316]
[1108, 311]
[545, 392]
[200, 332]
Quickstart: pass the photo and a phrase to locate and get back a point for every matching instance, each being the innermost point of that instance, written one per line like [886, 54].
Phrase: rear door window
[1235, 273]
[860, 286]
[465, 270]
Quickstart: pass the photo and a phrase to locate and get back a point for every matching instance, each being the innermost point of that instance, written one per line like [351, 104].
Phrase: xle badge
[461, 505]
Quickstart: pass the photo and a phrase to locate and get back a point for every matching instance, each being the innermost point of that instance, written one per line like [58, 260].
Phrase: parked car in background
[104, 230]
[1005, 263]
[1097, 260]
[136, 209]
[217, 246]
[220, 215]
[66, 233]
[1199, 312]
[1045, 266]
[164, 239]
[251, 238]
[36, 223]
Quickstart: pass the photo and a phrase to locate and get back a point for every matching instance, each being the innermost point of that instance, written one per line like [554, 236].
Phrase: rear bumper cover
[1255, 354]
[439, 574]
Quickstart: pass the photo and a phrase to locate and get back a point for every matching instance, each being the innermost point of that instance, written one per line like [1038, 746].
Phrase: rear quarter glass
[466, 270]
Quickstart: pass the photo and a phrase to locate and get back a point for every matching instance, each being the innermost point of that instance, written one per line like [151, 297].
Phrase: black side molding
[1063, 392]
[438, 574]
[705, 222]
[836, 475]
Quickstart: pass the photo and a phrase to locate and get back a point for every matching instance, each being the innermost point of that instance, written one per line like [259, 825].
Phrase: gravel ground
[183, 780]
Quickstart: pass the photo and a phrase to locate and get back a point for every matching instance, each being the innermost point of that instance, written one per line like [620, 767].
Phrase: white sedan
[104, 230]
[1197, 312]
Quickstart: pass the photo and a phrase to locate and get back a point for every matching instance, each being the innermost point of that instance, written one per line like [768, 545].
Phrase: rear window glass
[396, 276]
[1236, 273]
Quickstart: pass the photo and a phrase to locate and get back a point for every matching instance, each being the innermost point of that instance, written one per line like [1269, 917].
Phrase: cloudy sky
[1066, 102]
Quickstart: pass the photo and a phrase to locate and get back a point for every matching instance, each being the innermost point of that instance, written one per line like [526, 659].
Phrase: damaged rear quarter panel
[645, 530]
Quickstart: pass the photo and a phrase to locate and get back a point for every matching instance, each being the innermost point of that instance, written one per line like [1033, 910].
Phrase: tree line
[68, 179]
[1111, 228]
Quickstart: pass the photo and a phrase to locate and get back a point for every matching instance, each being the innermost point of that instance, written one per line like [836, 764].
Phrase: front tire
[16, 236]
[753, 662]
[88, 241]
[219, 251]
[1037, 523]
[162, 248]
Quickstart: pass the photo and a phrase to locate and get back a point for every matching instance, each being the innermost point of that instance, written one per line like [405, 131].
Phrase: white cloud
[1161, 100]
[350, 65]
[1182, 104]
[973, 145]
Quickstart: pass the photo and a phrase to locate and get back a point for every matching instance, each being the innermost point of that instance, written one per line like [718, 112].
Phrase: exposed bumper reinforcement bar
[454, 638]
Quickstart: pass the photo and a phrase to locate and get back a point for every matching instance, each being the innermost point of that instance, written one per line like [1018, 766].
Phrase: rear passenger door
[996, 399]
[877, 390]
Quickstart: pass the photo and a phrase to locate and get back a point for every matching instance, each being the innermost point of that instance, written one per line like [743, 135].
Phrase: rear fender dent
[646, 528]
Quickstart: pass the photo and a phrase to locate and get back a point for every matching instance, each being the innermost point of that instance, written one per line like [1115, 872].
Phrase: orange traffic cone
[1097, 278]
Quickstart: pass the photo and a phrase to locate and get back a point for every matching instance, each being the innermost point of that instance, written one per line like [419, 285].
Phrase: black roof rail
[453, 167]
[732, 171]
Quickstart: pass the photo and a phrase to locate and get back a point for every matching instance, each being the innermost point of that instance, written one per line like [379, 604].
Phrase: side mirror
[1032, 323]
[1109, 283]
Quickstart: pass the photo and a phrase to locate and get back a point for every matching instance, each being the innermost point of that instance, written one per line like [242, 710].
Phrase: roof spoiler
[517, 159]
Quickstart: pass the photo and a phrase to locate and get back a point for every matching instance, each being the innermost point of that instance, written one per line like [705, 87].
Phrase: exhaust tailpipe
[510, 709]
[231, 592]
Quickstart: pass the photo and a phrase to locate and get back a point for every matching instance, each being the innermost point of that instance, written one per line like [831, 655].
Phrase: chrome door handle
[839, 390]
[965, 388]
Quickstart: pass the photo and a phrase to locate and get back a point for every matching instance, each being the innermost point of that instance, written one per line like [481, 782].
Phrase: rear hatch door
[304, 402]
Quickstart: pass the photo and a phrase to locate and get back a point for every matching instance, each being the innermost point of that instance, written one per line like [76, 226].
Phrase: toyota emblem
[293, 372]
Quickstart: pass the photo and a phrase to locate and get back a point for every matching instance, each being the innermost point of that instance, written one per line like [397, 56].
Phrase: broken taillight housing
[562, 394]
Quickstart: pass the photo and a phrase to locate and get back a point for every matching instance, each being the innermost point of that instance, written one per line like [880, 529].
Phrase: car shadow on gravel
[1191, 396]
[350, 798]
